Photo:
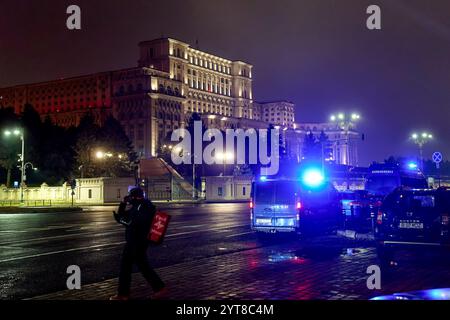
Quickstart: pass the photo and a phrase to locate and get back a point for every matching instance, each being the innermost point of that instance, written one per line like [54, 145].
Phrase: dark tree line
[60, 154]
[317, 147]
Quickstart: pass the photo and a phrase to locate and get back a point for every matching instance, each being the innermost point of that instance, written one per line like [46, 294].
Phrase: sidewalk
[263, 273]
[332, 268]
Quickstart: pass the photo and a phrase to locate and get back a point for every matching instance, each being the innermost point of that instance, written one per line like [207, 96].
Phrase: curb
[25, 210]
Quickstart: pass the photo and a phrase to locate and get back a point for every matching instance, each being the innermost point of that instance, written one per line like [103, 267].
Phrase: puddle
[283, 256]
[351, 251]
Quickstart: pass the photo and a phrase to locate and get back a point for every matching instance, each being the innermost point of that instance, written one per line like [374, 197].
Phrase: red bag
[159, 227]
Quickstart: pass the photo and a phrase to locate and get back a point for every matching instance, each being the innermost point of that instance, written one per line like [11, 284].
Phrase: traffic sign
[437, 157]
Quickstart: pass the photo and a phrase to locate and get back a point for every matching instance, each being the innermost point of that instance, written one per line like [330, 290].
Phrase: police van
[385, 178]
[290, 205]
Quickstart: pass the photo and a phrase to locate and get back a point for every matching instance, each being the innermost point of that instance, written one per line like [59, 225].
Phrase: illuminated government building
[172, 80]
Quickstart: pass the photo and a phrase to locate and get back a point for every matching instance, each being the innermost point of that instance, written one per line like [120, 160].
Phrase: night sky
[317, 53]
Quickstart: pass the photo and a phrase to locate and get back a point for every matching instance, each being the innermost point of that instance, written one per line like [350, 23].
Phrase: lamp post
[19, 133]
[224, 157]
[345, 122]
[180, 151]
[420, 140]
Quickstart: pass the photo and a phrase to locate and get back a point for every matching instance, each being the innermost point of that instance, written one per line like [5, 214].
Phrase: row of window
[209, 65]
[209, 86]
[215, 110]
[168, 116]
[210, 98]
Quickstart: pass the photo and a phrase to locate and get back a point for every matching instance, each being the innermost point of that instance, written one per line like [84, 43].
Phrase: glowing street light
[346, 123]
[99, 154]
[102, 155]
[420, 141]
[225, 158]
[18, 132]
[343, 118]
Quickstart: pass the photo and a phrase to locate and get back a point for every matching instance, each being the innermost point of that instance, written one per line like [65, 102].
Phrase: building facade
[277, 113]
[65, 100]
[343, 142]
[172, 80]
[87, 191]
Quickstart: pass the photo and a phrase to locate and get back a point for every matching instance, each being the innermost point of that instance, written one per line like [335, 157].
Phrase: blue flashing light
[263, 178]
[412, 166]
[313, 178]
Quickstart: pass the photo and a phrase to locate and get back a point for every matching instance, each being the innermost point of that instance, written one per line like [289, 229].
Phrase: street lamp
[225, 158]
[19, 133]
[346, 123]
[99, 154]
[420, 140]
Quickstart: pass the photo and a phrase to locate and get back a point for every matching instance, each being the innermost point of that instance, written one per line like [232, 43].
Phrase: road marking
[211, 229]
[55, 237]
[61, 251]
[238, 234]
[114, 231]
[223, 229]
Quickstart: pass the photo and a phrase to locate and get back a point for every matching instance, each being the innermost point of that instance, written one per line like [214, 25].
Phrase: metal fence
[26, 203]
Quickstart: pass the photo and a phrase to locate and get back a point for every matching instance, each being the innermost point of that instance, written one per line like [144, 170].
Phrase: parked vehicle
[430, 294]
[412, 218]
[287, 206]
[356, 210]
[385, 178]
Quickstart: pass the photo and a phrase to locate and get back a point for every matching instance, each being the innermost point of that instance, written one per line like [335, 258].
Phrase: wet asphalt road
[36, 249]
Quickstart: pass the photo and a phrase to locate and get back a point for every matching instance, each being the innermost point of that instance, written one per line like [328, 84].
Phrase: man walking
[136, 213]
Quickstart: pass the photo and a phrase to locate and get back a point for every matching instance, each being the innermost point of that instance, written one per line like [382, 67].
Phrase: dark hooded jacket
[138, 216]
